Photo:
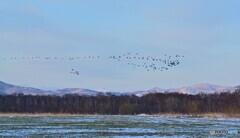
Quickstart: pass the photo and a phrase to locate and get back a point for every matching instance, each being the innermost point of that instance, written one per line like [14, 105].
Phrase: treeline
[109, 104]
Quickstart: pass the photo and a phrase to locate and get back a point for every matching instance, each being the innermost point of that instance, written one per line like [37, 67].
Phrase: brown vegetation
[157, 103]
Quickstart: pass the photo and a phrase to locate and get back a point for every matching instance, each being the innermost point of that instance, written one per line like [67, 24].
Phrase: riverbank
[211, 115]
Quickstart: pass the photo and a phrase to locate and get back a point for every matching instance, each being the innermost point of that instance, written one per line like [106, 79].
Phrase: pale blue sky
[205, 31]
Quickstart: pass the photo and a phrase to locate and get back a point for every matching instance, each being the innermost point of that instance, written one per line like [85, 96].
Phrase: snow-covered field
[114, 126]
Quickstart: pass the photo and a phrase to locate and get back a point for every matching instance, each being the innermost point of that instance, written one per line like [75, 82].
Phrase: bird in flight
[136, 60]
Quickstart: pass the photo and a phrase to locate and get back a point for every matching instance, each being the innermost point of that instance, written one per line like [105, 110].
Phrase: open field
[53, 125]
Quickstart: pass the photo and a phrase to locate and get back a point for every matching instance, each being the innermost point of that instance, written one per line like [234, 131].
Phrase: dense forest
[154, 103]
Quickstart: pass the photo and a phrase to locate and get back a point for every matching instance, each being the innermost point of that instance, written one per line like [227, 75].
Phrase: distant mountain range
[7, 89]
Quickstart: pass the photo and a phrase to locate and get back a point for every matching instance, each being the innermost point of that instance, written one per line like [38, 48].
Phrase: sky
[205, 32]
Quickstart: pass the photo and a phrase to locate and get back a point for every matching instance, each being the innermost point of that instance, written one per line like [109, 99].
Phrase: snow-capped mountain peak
[202, 87]
[6, 89]
[157, 89]
[194, 89]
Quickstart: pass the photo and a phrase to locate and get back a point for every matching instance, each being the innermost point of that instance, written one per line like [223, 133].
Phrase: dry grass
[40, 114]
[212, 115]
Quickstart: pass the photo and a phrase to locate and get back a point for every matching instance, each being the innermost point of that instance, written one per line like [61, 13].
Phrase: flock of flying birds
[148, 63]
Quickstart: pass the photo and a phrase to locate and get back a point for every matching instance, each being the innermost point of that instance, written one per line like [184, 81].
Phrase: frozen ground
[114, 126]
